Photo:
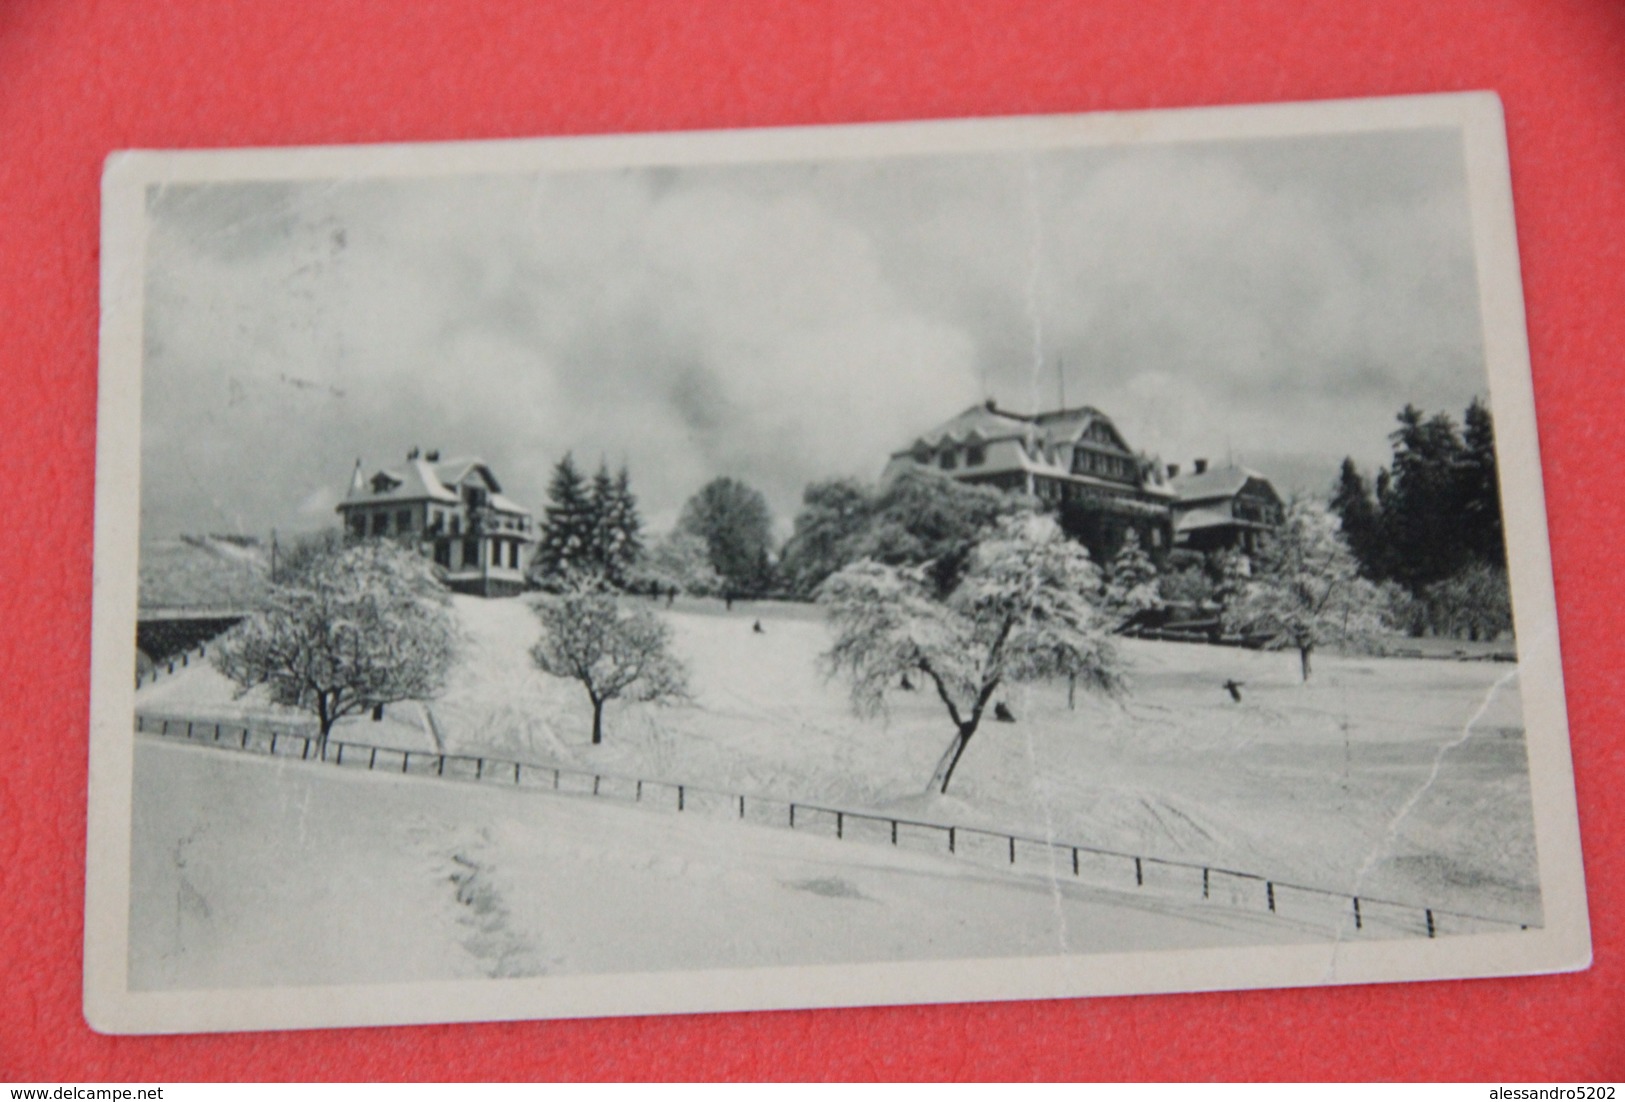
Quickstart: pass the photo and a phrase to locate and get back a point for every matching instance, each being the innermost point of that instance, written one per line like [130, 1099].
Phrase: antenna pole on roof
[1060, 378]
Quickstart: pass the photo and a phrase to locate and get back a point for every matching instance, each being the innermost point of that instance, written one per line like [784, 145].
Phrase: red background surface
[80, 79]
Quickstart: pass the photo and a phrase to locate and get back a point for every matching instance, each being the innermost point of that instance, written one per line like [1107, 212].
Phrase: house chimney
[991, 408]
[1173, 470]
[1200, 465]
[434, 456]
[414, 453]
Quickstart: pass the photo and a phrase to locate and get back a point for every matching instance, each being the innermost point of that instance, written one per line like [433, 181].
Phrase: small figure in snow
[671, 595]
[907, 684]
[757, 628]
[1003, 714]
[1235, 689]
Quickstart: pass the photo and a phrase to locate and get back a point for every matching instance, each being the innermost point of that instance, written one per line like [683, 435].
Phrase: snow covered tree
[1305, 589]
[1473, 602]
[679, 561]
[733, 520]
[568, 526]
[1019, 613]
[352, 629]
[1131, 581]
[615, 654]
[617, 531]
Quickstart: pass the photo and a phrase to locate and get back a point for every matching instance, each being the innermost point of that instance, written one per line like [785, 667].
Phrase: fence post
[792, 816]
[245, 738]
[372, 758]
[950, 839]
[479, 772]
[894, 832]
[595, 784]
[516, 773]
[638, 795]
[1430, 922]
[680, 797]
[1204, 883]
[1074, 860]
[1357, 912]
[839, 830]
[217, 732]
[340, 759]
[188, 728]
[273, 744]
[406, 756]
[440, 765]
[555, 778]
[1012, 849]
[1139, 874]
[1269, 892]
[304, 751]
[741, 805]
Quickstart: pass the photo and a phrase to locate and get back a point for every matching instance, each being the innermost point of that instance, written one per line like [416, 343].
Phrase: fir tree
[1131, 581]
[568, 526]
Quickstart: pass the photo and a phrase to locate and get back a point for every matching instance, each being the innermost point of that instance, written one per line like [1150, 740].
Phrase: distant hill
[210, 572]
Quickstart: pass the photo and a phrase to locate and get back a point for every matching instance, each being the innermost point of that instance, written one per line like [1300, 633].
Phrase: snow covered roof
[1202, 518]
[422, 480]
[1039, 443]
[1215, 482]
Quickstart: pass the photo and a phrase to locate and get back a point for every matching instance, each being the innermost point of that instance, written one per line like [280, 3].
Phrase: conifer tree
[1131, 581]
[568, 526]
[617, 533]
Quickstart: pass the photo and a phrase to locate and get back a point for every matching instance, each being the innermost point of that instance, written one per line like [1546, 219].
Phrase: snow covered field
[1397, 778]
[252, 871]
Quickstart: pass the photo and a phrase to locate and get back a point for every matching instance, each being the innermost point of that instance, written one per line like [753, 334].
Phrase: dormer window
[383, 482]
[976, 455]
[948, 460]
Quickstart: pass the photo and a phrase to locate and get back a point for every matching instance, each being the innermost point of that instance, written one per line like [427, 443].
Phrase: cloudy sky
[1272, 300]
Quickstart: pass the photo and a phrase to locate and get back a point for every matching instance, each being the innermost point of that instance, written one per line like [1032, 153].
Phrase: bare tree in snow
[616, 653]
[1305, 589]
[1019, 613]
[351, 629]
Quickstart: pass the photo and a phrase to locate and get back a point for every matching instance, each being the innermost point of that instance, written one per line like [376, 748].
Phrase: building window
[513, 555]
[456, 525]
[403, 521]
[975, 455]
[380, 523]
[496, 552]
[358, 526]
[948, 460]
[471, 552]
[442, 553]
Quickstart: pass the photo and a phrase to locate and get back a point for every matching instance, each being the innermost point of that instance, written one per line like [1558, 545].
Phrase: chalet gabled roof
[421, 480]
[1215, 483]
[986, 422]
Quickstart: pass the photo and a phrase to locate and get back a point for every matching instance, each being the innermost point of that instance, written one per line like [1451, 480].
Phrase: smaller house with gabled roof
[454, 511]
[1227, 508]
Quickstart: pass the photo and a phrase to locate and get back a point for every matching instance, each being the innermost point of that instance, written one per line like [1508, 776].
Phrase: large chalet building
[454, 511]
[1077, 462]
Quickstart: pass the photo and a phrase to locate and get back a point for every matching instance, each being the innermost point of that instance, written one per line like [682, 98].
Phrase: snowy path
[251, 871]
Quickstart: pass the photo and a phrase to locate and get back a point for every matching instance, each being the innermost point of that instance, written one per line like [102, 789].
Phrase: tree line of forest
[1428, 528]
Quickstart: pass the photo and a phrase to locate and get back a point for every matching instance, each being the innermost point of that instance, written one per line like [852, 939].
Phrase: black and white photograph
[876, 564]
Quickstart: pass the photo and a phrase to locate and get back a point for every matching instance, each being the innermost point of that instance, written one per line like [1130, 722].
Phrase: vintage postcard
[965, 560]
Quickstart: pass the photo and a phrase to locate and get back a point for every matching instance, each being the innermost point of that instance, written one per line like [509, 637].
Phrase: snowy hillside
[1400, 778]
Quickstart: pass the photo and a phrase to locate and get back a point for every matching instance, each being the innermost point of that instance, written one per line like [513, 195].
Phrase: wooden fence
[1094, 865]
